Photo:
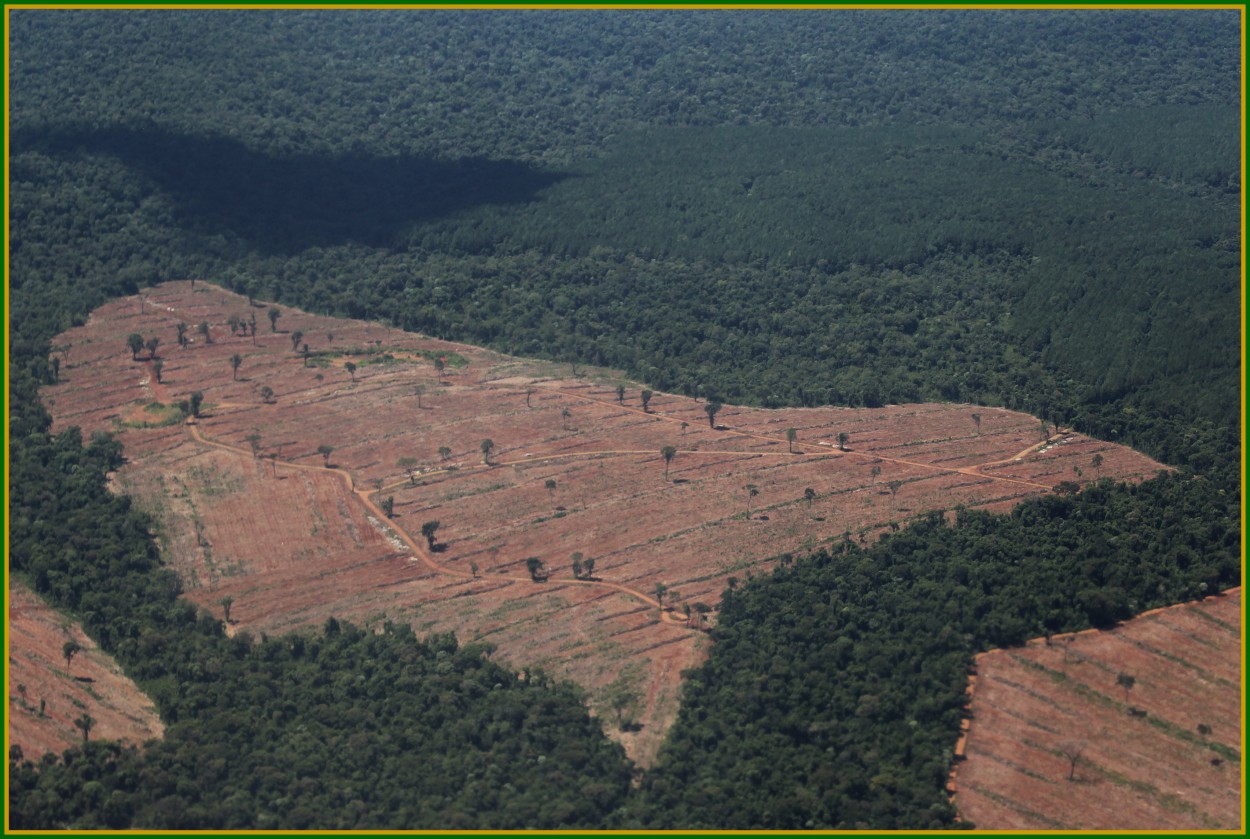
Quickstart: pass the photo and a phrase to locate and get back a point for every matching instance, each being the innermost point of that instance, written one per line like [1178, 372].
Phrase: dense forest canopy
[1030, 208]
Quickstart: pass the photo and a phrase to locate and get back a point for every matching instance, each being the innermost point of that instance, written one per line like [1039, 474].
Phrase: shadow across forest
[288, 203]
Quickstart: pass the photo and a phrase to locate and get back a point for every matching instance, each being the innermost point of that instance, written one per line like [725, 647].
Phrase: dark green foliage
[835, 689]
[352, 729]
[1032, 209]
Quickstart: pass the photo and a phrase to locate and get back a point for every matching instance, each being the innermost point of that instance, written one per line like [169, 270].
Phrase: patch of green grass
[157, 415]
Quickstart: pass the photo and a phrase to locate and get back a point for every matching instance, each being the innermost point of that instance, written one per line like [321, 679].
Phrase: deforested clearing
[1135, 728]
[275, 498]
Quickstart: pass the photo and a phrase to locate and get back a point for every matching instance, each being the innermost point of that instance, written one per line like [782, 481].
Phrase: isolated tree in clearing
[325, 450]
[70, 650]
[428, 530]
[712, 409]
[487, 445]
[135, 342]
[1126, 681]
[235, 361]
[274, 314]
[668, 453]
[1072, 750]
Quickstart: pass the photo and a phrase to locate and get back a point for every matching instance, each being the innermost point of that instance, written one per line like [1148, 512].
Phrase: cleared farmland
[248, 507]
[47, 693]
[1135, 728]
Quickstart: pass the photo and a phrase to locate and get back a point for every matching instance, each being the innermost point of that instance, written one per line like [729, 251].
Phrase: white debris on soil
[395, 541]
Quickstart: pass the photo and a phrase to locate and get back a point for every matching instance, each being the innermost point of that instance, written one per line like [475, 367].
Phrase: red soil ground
[92, 684]
[1136, 771]
[292, 545]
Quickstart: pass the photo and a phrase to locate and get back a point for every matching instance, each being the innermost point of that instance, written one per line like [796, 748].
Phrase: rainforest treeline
[1035, 209]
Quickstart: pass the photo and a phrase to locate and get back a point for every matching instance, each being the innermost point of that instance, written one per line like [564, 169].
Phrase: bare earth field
[92, 684]
[1142, 762]
[293, 540]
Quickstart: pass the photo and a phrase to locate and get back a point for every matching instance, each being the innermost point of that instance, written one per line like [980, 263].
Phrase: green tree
[266, 394]
[752, 491]
[70, 650]
[351, 370]
[440, 364]
[429, 530]
[296, 337]
[844, 440]
[565, 413]
[646, 401]
[325, 450]
[791, 435]
[668, 453]
[550, 484]
[84, 724]
[535, 567]
[151, 344]
[660, 591]
[274, 314]
[712, 409]
[388, 506]
[157, 367]
[409, 465]
[205, 332]
[444, 452]
[234, 323]
[810, 495]
[1126, 681]
[577, 565]
[235, 361]
[976, 420]
[419, 391]
[620, 394]
[590, 568]
[181, 329]
[226, 603]
[486, 447]
[1096, 462]
[135, 342]
[195, 402]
